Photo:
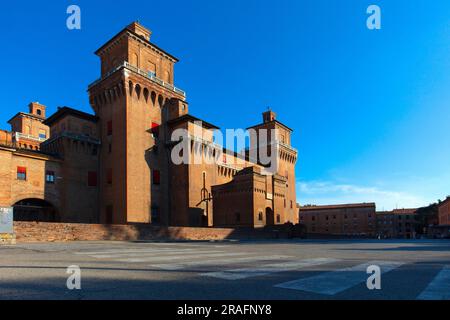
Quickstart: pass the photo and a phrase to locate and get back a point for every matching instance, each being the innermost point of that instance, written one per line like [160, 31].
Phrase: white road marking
[199, 255]
[331, 283]
[244, 273]
[228, 261]
[439, 288]
[147, 254]
[119, 251]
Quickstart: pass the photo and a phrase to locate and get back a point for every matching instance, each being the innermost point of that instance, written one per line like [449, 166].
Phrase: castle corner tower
[130, 98]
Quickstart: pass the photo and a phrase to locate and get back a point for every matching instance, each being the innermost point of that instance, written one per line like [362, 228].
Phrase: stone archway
[270, 217]
[33, 209]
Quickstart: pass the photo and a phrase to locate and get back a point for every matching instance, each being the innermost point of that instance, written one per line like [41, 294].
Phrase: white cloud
[327, 192]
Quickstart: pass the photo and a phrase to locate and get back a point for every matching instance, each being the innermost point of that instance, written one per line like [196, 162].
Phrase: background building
[444, 212]
[399, 223]
[340, 220]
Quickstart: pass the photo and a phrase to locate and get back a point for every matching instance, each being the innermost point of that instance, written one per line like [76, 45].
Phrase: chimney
[177, 108]
[37, 109]
[269, 116]
[137, 28]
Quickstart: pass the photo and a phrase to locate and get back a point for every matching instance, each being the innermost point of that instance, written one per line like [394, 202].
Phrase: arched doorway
[270, 218]
[35, 210]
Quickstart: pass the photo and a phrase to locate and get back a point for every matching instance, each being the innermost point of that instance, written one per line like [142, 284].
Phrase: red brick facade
[340, 220]
[114, 167]
[444, 212]
[62, 232]
[398, 223]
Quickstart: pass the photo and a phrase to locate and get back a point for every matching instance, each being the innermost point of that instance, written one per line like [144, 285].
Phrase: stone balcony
[149, 75]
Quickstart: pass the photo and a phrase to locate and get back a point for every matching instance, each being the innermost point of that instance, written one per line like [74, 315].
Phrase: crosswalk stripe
[125, 251]
[146, 254]
[204, 254]
[331, 283]
[243, 273]
[439, 288]
[228, 261]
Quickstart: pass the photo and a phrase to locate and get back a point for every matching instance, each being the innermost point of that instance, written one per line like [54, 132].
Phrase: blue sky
[370, 109]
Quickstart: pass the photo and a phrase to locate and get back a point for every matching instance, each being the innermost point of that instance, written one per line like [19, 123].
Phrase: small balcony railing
[19, 136]
[149, 75]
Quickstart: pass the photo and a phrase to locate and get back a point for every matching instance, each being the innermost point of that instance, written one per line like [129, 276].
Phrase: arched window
[160, 101]
[130, 84]
[146, 94]
[260, 216]
[138, 91]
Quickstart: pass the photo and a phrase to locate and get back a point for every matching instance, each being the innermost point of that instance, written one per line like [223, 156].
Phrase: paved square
[297, 270]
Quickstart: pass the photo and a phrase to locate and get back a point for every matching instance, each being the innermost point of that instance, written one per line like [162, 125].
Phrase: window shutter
[21, 170]
[155, 129]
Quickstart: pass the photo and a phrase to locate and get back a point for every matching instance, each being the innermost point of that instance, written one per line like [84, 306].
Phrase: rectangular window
[50, 177]
[42, 136]
[109, 176]
[109, 215]
[21, 173]
[155, 215]
[109, 129]
[92, 179]
[156, 177]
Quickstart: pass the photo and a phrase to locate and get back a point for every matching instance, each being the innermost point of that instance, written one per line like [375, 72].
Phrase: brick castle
[114, 166]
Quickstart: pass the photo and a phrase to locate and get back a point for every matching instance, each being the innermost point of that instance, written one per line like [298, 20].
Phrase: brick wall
[62, 232]
[444, 213]
[7, 238]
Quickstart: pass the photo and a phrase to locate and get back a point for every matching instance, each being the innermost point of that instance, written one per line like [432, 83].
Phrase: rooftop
[339, 206]
[65, 111]
[399, 211]
[444, 202]
[273, 121]
[26, 114]
[190, 118]
[138, 31]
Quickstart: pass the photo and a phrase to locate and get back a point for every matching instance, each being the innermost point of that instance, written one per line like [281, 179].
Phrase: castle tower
[130, 100]
[28, 128]
[283, 180]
